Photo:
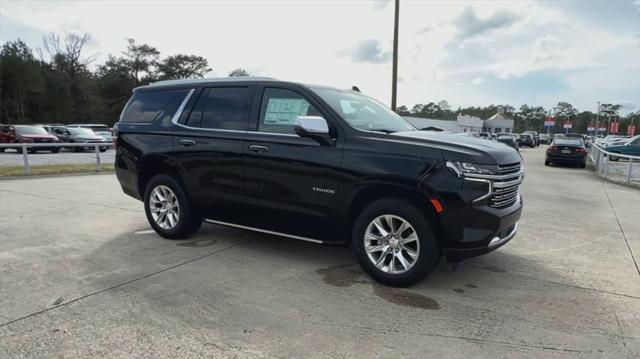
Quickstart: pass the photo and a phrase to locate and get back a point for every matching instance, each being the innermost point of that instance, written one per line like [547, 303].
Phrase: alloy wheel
[164, 207]
[392, 244]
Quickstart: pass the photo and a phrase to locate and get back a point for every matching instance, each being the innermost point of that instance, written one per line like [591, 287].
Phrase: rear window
[567, 142]
[145, 107]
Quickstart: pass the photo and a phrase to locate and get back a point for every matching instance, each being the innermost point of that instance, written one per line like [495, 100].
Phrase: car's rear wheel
[168, 209]
[613, 158]
[55, 150]
[394, 243]
[1, 149]
[547, 162]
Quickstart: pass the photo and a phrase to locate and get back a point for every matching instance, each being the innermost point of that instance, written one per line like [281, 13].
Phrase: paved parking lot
[82, 275]
[13, 158]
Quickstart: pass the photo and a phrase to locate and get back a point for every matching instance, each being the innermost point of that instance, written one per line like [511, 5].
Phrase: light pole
[598, 119]
[394, 76]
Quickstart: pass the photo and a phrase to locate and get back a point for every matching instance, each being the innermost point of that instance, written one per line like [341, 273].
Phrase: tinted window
[280, 108]
[567, 142]
[195, 118]
[147, 106]
[226, 108]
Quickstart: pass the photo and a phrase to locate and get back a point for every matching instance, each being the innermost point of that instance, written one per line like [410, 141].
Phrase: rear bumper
[566, 158]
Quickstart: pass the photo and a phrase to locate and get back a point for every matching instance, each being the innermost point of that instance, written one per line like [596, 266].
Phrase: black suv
[316, 164]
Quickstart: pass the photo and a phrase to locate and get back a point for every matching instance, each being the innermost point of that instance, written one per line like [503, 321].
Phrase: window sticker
[284, 111]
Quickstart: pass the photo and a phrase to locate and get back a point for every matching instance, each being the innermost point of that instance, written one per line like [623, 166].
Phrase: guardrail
[614, 171]
[26, 146]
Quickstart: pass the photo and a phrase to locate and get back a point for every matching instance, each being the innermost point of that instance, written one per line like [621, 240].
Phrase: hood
[462, 148]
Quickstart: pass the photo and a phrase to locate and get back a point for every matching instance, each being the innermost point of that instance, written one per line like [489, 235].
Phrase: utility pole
[394, 80]
[598, 119]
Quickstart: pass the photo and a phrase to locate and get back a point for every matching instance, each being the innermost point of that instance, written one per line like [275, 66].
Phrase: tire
[78, 149]
[32, 150]
[103, 149]
[428, 251]
[55, 150]
[547, 162]
[2, 150]
[188, 221]
[613, 158]
[583, 164]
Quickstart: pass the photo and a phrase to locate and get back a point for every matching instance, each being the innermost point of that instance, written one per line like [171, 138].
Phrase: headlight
[472, 168]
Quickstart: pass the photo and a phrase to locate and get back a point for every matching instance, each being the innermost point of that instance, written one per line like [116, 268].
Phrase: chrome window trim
[180, 109]
[263, 231]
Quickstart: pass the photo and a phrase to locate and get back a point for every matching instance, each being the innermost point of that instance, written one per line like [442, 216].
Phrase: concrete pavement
[82, 275]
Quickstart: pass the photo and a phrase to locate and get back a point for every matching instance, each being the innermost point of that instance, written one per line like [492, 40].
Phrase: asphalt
[82, 275]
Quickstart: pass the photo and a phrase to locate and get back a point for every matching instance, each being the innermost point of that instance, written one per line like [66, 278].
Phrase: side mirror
[314, 127]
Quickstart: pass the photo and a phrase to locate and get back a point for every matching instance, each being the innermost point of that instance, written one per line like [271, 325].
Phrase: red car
[27, 134]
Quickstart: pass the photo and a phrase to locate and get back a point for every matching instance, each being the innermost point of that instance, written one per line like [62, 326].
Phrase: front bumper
[481, 214]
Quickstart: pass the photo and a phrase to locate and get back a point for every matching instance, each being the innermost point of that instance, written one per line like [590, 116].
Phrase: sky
[470, 53]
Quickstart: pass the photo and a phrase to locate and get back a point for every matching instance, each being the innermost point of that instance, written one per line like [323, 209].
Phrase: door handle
[258, 148]
[187, 142]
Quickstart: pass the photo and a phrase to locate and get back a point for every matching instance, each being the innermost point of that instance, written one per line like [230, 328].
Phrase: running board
[263, 231]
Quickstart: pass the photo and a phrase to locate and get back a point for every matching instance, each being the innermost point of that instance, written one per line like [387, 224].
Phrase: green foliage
[63, 89]
[239, 72]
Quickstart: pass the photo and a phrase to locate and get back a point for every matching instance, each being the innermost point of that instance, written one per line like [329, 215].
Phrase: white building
[469, 124]
[498, 123]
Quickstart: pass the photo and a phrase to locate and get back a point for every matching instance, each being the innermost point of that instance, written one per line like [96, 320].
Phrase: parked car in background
[544, 138]
[630, 147]
[84, 135]
[101, 130]
[509, 140]
[27, 134]
[527, 140]
[318, 164]
[534, 137]
[484, 135]
[566, 150]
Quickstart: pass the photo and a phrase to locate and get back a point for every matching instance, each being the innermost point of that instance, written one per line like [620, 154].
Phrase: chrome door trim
[263, 231]
[180, 109]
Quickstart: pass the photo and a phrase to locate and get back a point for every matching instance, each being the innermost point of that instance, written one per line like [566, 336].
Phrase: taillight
[579, 149]
[552, 149]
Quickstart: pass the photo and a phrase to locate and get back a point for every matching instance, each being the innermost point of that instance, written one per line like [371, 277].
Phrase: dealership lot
[82, 274]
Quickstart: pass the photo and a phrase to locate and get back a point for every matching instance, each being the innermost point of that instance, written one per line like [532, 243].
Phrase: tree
[565, 109]
[529, 118]
[140, 60]
[239, 72]
[182, 67]
[19, 82]
[403, 111]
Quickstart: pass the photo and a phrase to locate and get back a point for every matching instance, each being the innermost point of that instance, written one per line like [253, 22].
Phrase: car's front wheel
[168, 209]
[394, 243]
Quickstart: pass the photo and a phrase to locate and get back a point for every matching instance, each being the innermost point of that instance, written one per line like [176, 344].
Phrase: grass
[17, 171]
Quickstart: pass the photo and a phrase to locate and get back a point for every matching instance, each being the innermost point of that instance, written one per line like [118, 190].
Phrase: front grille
[510, 168]
[505, 191]
[504, 197]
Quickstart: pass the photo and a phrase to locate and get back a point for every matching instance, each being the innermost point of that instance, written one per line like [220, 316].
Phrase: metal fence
[24, 148]
[614, 166]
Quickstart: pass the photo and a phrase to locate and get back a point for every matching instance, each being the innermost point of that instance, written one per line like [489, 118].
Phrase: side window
[147, 106]
[280, 108]
[195, 118]
[226, 108]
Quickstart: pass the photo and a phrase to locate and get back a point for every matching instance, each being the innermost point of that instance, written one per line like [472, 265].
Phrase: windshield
[30, 130]
[363, 112]
[78, 131]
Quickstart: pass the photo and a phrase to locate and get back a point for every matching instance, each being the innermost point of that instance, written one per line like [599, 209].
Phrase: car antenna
[355, 88]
